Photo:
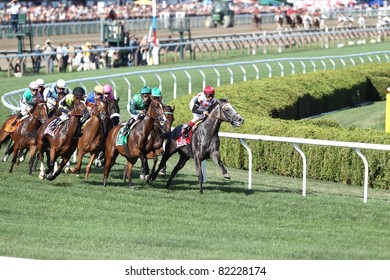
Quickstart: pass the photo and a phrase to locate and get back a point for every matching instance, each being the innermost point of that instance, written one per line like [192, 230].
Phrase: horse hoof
[142, 177]
[162, 173]
[226, 176]
[67, 170]
[21, 159]
[50, 178]
[42, 177]
[147, 177]
[4, 159]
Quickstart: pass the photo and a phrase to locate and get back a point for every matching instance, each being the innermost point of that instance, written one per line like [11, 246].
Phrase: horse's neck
[73, 125]
[213, 122]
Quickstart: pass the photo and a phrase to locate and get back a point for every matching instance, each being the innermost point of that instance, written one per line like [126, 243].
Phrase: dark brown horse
[94, 134]
[154, 146]
[136, 142]
[24, 136]
[204, 143]
[63, 143]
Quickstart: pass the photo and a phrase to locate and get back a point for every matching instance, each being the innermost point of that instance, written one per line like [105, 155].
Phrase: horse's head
[156, 112]
[100, 110]
[79, 108]
[227, 113]
[40, 112]
[113, 110]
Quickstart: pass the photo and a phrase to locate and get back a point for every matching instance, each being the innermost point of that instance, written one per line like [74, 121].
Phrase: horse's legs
[182, 161]
[162, 164]
[216, 157]
[14, 157]
[198, 167]
[89, 165]
[129, 171]
[144, 167]
[63, 162]
[8, 150]
[33, 153]
[110, 160]
[76, 169]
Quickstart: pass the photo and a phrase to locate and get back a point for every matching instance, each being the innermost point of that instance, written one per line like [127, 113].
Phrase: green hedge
[277, 106]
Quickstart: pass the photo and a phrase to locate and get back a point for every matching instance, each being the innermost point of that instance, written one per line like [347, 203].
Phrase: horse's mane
[219, 101]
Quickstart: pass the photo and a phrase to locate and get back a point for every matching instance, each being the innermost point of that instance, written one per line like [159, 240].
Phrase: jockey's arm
[195, 108]
[133, 107]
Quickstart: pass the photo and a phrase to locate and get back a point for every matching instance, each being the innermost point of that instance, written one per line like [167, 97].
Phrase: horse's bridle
[220, 109]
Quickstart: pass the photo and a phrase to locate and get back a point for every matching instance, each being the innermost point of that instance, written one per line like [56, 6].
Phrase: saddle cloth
[121, 139]
[52, 131]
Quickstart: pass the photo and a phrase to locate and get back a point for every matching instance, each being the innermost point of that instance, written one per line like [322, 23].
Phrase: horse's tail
[6, 139]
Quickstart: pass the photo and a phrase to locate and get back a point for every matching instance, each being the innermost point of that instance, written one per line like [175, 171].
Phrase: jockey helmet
[61, 83]
[156, 92]
[107, 89]
[40, 82]
[145, 90]
[33, 85]
[98, 89]
[78, 92]
[209, 90]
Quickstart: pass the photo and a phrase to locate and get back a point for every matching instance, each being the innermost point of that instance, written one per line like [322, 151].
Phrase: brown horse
[137, 140]
[63, 143]
[24, 136]
[94, 135]
[154, 147]
[5, 137]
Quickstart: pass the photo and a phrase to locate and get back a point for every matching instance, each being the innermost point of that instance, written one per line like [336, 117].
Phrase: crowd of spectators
[63, 13]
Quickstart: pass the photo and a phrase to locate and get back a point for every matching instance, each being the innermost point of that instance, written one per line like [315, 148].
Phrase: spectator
[60, 55]
[17, 69]
[87, 56]
[37, 59]
[14, 7]
[49, 56]
[65, 57]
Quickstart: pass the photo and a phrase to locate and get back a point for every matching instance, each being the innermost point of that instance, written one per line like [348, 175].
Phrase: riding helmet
[209, 90]
[61, 84]
[40, 82]
[98, 89]
[107, 89]
[156, 92]
[33, 85]
[145, 90]
[78, 92]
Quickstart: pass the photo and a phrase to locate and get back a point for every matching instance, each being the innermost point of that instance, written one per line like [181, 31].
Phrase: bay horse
[63, 143]
[95, 131]
[204, 142]
[25, 134]
[137, 140]
[154, 146]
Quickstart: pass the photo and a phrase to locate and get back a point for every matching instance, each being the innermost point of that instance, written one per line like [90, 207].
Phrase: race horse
[204, 142]
[154, 146]
[94, 135]
[136, 141]
[63, 143]
[25, 134]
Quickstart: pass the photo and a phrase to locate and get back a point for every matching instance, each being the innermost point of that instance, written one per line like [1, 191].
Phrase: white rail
[356, 146]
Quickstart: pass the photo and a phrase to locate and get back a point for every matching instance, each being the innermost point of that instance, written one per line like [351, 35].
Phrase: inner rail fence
[190, 79]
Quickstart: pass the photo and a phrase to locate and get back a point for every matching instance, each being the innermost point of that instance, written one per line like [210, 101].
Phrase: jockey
[51, 94]
[138, 105]
[200, 105]
[41, 87]
[108, 96]
[107, 90]
[28, 101]
[156, 94]
[96, 94]
[66, 104]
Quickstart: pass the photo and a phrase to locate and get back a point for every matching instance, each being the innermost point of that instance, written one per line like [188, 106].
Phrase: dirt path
[78, 40]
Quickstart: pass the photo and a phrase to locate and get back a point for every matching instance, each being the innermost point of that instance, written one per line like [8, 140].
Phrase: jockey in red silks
[199, 106]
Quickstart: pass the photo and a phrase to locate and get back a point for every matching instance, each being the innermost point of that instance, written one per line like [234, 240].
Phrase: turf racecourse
[75, 219]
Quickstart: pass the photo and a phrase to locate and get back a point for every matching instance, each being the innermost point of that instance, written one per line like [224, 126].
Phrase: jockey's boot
[187, 129]
[55, 123]
[128, 125]
[18, 116]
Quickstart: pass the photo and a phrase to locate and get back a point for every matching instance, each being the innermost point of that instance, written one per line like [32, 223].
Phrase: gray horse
[204, 143]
